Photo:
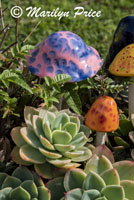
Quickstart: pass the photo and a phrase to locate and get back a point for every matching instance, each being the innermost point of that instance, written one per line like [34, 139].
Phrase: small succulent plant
[22, 185]
[50, 138]
[121, 141]
[101, 180]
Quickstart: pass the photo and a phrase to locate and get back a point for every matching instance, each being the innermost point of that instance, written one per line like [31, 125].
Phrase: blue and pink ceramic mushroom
[64, 52]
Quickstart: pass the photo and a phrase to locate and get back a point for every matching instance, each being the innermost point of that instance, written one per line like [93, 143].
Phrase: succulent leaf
[110, 184]
[31, 154]
[93, 181]
[111, 177]
[98, 165]
[113, 192]
[24, 185]
[74, 178]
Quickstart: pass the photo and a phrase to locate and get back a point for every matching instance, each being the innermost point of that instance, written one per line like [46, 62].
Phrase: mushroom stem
[131, 98]
[100, 138]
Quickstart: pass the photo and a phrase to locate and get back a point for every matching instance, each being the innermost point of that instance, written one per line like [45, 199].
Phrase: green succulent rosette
[101, 180]
[22, 185]
[50, 138]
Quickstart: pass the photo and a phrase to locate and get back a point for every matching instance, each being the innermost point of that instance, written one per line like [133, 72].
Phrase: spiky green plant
[50, 138]
[22, 185]
[101, 180]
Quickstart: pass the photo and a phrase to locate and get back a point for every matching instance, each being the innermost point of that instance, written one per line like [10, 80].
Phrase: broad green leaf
[93, 181]
[30, 187]
[31, 154]
[19, 193]
[113, 192]
[61, 137]
[74, 178]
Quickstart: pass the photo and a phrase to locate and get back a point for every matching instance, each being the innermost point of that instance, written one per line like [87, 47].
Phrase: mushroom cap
[123, 63]
[64, 52]
[103, 115]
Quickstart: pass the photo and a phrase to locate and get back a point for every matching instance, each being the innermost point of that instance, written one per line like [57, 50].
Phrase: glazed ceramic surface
[64, 52]
[103, 115]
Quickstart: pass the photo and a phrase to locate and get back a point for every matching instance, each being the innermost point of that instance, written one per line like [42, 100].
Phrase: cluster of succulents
[22, 184]
[50, 137]
[100, 180]
[121, 141]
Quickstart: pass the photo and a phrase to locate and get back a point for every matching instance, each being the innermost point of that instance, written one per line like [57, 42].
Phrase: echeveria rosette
[22, 185]
[50, 138]
[101, 180]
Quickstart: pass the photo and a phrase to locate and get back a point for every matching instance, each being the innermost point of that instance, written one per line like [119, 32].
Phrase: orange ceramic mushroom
[123, 65]
[103, 117]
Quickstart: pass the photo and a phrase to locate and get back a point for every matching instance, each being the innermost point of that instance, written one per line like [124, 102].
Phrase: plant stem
[131, 98]
[100, 138]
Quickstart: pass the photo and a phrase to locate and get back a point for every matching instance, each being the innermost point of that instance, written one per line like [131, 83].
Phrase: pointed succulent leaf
[119, 141]
[85, 130]
[46, 143]
[30, 138]
[16, 137]
[71, 128]
[47, 173]
[63, 147]
[3, 176]
[56, 188]
[43, 110]
[75, 120]
[37, 180]
[131, 136]
[113, 192]
[28, 113]
[125, 126]
[59, 162]
[61, 118]
[128, 188]
[15, 155]
[125, 169]
[85, 156]
[79, 140]
[73, 154]
[12, 182]
[75, 194]
[22, 173]
[47, 132]
[30, 187]
[61, 137]
[93, 181]
[32, 155]
[4, 193]
[50, 154]
[48, 117]
[43, 193]
[90, 194]
[74, 178]
[70, 165]
[37, 125]
[111, 177]
[19, 193]
[103, 150]
[98, 165]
